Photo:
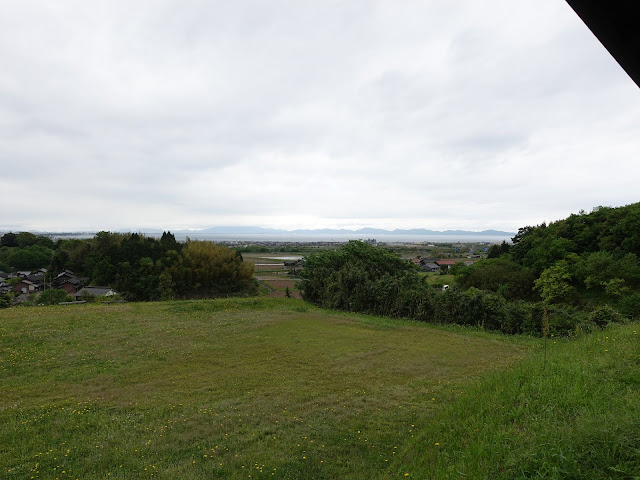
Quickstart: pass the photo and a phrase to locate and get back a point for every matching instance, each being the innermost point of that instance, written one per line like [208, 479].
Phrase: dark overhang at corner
[616, 23]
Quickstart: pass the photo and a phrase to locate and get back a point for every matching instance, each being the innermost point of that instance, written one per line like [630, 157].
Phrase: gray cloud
[300, 114]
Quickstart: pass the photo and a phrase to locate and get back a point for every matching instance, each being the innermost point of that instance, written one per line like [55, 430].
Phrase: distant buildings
[25, 283]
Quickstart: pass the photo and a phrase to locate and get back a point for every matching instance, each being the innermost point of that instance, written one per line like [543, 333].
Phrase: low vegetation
[274, 388]
[361, 278]
[571, 411]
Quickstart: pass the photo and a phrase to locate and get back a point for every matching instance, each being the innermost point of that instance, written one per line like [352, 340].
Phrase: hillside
[275, 388]
[614, 231]
[214, 389]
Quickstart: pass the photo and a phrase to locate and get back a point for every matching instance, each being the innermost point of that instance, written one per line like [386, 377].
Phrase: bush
[358, 277]
[472, 307]
[629, 305]
[509, 279]
[563, 319]
[361, 278]
[604, 315]
[53, 297]
[5, 301]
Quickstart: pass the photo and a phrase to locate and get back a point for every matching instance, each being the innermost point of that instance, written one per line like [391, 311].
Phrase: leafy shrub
[53, 297]
[511, 280]
[604, 315]
[362, 278]
[357, 277]
[472, 307]
[629, 305]
[5, 301]
[563, 319]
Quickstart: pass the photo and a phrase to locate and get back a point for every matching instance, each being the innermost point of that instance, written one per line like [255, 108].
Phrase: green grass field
[274, 388]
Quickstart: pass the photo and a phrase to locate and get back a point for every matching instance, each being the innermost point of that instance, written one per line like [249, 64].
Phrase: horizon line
[257, 230]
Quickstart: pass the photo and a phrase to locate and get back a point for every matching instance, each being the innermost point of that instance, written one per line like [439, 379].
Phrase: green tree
[554, 283]
[459, 269]
[500, 275]
[104, 272]
[26, 239]
[359, 277]
[45, 242]
[59, 261]
[523, 232]
[166, 286]
[73, 254]
[8, 240]
[206, 269]
[168, 241]
[30, 258]
[496, 251]
[595, 268]
[615, 287]
[5, 252]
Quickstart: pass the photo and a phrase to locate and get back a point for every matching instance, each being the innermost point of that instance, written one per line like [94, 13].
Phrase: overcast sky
[308, 114]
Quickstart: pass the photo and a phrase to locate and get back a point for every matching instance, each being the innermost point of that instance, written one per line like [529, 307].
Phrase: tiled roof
[446, 262]
[95, 291]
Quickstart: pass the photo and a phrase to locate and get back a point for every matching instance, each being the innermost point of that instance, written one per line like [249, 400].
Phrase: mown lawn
[244, 388]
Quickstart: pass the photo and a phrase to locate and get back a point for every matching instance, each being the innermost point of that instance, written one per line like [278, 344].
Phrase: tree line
[137, 266]
[561, 277]
[362, 278]
[25, 251]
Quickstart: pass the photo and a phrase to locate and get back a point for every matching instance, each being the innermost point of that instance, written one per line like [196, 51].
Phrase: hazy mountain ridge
[252, 230]
[365, 231]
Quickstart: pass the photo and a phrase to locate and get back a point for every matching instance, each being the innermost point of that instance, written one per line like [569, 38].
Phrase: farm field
[274, 388]
[273, 275]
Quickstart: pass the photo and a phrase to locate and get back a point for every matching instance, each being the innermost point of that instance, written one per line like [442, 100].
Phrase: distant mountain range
[319, 231]
[332, 231]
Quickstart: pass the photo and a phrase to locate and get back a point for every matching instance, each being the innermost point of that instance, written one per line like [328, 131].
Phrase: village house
[94, 292]
[27, 286]
[34, 282]
[5, 287]
[67, 281]
[70, 286]
[445, 264]
[430, 267]
[63, 277]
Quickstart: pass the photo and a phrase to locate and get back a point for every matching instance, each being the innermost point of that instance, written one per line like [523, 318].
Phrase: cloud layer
[166, 114]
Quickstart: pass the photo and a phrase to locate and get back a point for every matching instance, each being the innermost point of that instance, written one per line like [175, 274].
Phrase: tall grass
[574, 416]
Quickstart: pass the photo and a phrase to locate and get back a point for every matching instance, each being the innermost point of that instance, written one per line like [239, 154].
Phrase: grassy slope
[223, 389]
[573, 413]
[268, 388]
